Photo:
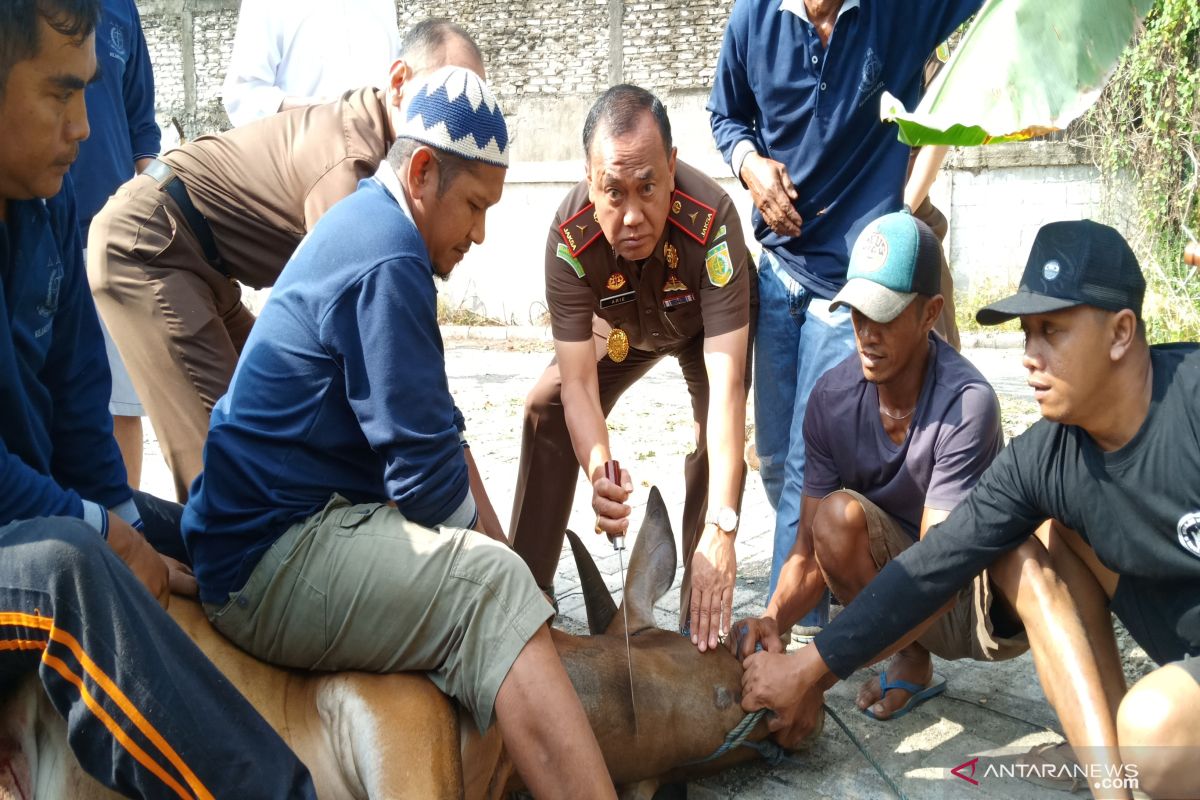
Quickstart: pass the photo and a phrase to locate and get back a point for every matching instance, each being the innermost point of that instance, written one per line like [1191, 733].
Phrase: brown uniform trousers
[946, 326]
[144, 263]
[550, 468]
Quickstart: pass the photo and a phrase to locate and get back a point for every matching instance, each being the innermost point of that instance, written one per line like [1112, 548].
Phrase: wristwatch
[724, 518]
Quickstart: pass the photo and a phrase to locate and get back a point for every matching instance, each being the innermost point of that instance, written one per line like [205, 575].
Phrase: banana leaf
[1025, 68]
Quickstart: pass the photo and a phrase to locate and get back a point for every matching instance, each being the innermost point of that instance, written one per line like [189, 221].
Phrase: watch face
[727, 519]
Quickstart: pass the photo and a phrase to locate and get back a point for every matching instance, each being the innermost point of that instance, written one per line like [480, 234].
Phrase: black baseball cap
[1073, 264]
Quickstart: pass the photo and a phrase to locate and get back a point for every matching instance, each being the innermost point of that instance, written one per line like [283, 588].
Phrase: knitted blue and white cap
[455, 111]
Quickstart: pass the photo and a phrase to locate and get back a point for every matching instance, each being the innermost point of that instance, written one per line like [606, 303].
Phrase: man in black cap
[1114, 471]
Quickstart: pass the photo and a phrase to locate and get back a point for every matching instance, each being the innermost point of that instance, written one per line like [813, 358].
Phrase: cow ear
[596, 599]
[651, 567]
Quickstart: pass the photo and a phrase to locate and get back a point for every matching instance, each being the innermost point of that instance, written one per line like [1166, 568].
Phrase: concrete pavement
[986, 708]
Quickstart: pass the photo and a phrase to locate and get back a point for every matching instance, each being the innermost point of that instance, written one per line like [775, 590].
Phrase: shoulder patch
[720, 234]
[581, 230]
[691, 216]
[719, 264]
[564, 253]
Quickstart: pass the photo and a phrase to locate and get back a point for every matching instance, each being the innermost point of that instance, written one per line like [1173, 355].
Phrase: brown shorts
[965, 631]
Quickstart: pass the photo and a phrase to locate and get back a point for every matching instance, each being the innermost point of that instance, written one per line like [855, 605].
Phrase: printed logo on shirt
[1189, 532]
[116, 42]
[872, 77]
[49, 307]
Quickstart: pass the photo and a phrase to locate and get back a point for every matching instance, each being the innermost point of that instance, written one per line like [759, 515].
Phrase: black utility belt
[170, 183]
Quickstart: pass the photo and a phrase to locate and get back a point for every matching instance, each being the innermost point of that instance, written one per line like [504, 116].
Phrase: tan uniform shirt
[264, 185]
[696, 282]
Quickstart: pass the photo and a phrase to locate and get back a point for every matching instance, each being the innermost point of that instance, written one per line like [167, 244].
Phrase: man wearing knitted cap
[896, 435]
[171, 250]
[1114, 465]
[336, 524]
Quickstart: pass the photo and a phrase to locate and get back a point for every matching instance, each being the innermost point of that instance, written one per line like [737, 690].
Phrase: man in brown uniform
[645, 259]
[170, 248]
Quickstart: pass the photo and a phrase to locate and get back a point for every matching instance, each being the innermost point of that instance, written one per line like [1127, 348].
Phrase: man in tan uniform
[169, 250]
[645, 259]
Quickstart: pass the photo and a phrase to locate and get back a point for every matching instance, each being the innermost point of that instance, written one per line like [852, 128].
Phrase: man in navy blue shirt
[336, 524]
[125, 138]
[795, 111]
[74, 566]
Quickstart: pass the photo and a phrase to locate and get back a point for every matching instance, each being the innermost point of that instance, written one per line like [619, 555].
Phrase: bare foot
[911, 664]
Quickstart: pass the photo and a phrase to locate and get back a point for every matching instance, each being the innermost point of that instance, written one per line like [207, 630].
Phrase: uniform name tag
[618, 299]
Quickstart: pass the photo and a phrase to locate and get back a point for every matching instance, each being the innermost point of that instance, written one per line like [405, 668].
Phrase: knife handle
[612, 471]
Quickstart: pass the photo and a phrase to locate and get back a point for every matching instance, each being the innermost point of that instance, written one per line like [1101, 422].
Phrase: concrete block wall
[547, 63]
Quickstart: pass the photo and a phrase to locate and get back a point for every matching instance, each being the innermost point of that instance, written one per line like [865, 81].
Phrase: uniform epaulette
[581, 230]
[691, 216]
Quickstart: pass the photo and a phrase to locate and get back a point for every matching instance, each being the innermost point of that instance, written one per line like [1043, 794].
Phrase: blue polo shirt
[120, 111]
[816, 111]
[341, 388]
[57, 452]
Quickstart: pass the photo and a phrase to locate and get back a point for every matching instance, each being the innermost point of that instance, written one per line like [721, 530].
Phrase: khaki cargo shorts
[965, 631]
[360, 587]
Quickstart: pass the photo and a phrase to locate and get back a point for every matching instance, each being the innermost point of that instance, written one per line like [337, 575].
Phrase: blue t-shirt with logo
[56, 442]
[120, 111]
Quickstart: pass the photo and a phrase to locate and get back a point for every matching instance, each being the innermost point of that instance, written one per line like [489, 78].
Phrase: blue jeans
[799, 338]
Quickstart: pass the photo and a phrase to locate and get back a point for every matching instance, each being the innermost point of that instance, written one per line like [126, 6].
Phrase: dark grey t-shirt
[954, 435]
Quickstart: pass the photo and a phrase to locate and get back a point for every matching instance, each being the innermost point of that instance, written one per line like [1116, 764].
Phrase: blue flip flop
[936, 685]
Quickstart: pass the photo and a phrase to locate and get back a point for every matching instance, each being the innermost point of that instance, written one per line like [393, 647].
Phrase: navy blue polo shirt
[120, 109]
[816, 110]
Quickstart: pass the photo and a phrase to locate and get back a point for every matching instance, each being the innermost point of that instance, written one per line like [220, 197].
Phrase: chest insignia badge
[615, 281]
[618, 345]
[1189, 532]
[674, 291]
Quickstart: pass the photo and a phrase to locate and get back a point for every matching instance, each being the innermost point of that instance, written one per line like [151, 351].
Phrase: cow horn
[596, 598]
[651, 566]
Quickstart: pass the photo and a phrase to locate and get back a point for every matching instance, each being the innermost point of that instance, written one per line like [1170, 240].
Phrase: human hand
[772, 681]
[608, 501]
[714, 569]
[749, 633]
[142, 559]
[183, 582]
[773, 193]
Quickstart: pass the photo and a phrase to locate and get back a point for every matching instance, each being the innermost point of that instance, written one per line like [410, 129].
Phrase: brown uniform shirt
[264, 185]
[702, 240]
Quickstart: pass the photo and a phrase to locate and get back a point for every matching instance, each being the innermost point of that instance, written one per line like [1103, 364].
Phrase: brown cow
[393, 736]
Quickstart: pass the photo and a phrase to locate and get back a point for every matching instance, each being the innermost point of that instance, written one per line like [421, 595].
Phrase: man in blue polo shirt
[339, 523]
[795, 112]
[146, 713]
[125, 138]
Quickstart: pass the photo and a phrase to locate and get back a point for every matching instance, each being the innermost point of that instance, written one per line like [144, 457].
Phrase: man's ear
[398, 75]
[1123, 333]
[932, 312]
[671, 166]
[422, 173]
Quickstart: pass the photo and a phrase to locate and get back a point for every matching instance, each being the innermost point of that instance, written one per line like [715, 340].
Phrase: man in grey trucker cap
[897, 435]
[1110, 480]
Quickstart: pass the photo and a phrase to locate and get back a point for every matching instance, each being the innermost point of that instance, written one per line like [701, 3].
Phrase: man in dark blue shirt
[124, 139]
[1114, 465]
[331, 528]
[74, 566]
[795, 111]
